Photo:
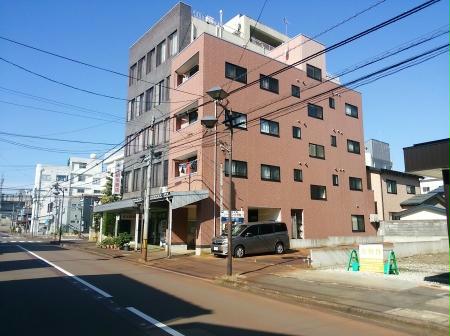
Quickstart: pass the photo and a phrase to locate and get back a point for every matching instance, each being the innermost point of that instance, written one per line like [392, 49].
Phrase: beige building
[390, 189]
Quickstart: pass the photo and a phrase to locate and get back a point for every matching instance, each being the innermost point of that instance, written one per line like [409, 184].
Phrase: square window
[270, 173]
[239, 168]
[313, 72]
[236, 73]
[358, 223]
[351, 110]
[268, 83]
[298, 175]
[355, 183]
[239, 120]
[296, 132]
[410, 189]
[316, 151]
[295, 91]
[331, 103]
[315, 111]
[335, 179]
[269, 127]
[353, 147]
[318, 192]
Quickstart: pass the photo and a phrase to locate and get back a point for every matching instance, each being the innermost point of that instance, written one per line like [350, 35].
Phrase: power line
[46, 149]
[56, 139]
[90, 65]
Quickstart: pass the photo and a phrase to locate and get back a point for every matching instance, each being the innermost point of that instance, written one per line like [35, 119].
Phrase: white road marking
[13, 241]
[62, 270]
[156, 323]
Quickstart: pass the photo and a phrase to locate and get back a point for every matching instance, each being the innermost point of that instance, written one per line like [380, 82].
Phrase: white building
[429, 184]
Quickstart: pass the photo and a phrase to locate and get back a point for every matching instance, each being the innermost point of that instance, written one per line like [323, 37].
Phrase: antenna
[286, 22]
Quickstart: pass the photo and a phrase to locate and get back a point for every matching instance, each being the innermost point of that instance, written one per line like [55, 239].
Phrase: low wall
[334, 241]
[407, 249]
[414, 228]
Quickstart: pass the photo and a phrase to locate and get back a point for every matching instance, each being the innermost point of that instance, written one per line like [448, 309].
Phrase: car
[253, 238]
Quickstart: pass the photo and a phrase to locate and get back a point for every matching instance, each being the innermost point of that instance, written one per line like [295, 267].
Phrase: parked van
[253, 238]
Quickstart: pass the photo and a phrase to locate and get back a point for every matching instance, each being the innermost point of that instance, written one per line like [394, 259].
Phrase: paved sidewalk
[385, 299]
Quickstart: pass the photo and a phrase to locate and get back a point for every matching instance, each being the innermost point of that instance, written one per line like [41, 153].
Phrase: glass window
[410, 189]
[268, 83]
[45, 177]
[81, 178]
[173, 44]
[60, 178]
[295, 91]
[149, 99]
[298, 175]
[254, 230]
[318, 192]
[296, 132]
[355, 183]
[266, 229]
[132, 74]
[236, 73]
[239, 168]
[270, 173]
[316, 151]
[331, 103]
[140, 68]
[150, 61]
[351, 110]
[333, 141]
[358, 223]
[239, 120]
[80, 190]
[136, 179]
[353, 147]
[269, 127]
[315, 111]
[335, 179]
[391, 186]
[161, 53]
[313, 72]
[280, 227]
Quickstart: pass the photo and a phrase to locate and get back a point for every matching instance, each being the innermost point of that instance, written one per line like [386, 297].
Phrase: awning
[118, 205]
[181, 198]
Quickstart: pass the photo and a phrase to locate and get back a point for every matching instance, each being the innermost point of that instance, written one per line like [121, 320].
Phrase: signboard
[371, 258]
[117, 178]
[237, 216]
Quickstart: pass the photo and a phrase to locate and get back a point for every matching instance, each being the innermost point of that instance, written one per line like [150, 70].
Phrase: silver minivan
[253, 238]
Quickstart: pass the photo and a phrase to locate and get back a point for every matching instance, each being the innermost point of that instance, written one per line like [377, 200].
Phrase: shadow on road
[442, 278]
[14, 265]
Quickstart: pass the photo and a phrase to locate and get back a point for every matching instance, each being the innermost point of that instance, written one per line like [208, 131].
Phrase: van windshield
[236, 230]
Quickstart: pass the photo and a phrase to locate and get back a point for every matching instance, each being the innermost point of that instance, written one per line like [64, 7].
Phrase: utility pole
[147, 194]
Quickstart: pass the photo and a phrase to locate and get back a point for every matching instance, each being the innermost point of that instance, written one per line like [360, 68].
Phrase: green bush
[107, 241]
[122, 239]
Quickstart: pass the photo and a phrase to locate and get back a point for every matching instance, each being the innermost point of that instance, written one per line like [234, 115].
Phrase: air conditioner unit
[374, 218]
[163, 190]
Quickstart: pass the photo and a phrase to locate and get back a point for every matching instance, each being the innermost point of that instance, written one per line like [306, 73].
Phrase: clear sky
[406, 108]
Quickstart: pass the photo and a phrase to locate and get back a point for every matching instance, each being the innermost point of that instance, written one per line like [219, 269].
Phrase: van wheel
[279, 248]
[239, 252]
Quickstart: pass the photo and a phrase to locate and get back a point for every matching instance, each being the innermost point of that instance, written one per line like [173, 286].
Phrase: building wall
[429, 184]
[423, 215]
[284, 151]
[388, 203]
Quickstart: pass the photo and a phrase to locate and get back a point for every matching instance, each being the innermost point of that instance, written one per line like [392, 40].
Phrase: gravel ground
[429, 269]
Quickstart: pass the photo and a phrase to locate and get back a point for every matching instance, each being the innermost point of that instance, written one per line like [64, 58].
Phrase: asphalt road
[82, 294]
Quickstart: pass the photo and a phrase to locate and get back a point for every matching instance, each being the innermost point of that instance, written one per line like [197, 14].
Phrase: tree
[107, 197]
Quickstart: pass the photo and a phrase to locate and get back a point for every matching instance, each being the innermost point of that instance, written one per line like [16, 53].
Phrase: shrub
[122, 239]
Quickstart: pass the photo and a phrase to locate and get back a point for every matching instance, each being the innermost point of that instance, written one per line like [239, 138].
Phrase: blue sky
[406, 108]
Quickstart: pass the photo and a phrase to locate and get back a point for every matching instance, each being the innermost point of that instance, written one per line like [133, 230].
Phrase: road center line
[156, 323]
[62, 270]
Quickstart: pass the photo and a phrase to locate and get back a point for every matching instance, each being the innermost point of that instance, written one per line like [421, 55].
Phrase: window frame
[271, 168]
[333, 140]
[410, 189]
[353, 183]
[335, 180]
[298, 175]
[241, 78]
[391, 186]
[331, 103]
[234, 169]
[270, 122]
[315, 186]
[358, 223]
[271, 87]
[352, 108]
[316, 108]
[294, 129]
[316, 146]
[295, 91]
[313, 72]
[353, 142]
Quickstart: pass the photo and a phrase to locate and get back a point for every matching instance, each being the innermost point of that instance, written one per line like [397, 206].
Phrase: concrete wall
[334, 241]
[413, 228]
[424, 215]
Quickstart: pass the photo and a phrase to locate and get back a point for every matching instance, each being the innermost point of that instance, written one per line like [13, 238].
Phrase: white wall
[431, 183]
[423, 215]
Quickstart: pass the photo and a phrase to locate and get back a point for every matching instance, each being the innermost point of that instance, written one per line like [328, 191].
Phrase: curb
[399, 322]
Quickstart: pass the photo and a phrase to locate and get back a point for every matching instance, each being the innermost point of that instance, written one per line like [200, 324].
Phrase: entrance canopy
[179, 199]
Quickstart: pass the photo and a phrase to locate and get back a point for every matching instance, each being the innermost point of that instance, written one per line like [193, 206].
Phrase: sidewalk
[386, 299]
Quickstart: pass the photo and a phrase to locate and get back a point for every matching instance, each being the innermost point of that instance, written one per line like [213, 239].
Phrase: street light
[210, 122]
[57, 190]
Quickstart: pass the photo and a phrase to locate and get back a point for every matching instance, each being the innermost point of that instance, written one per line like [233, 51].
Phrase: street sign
[237, 216]
[371, 258]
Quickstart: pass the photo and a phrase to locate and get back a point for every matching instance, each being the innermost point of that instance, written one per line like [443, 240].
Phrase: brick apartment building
[302, 164]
